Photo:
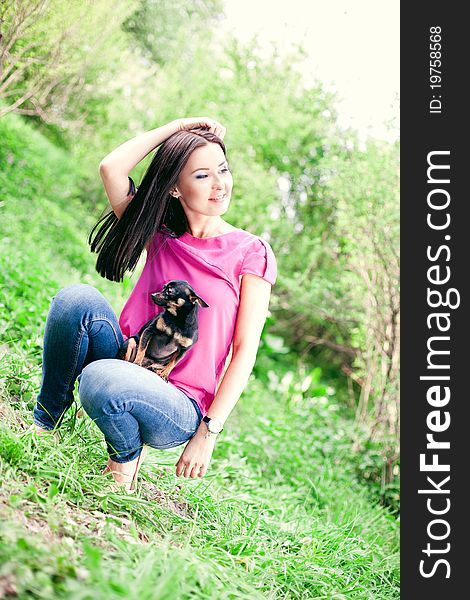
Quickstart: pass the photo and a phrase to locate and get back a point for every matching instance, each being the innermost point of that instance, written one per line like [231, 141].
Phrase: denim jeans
[131, 405]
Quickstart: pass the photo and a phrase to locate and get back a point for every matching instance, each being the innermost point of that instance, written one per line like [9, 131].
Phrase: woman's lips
[221, 199]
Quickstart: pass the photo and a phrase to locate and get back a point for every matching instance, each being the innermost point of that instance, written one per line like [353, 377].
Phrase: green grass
[281, 513]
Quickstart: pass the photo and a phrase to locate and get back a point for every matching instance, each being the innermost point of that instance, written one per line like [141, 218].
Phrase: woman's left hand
[197, 455]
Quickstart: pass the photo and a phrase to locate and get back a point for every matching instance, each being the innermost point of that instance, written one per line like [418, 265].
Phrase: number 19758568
[435, 57]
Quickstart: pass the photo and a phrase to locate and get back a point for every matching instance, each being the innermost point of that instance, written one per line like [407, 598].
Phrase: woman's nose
[218, 182]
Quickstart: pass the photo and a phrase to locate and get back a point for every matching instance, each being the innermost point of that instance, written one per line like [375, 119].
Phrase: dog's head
[176, 294]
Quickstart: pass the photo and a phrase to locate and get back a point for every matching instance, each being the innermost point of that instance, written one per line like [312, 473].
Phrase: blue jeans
[131, 405]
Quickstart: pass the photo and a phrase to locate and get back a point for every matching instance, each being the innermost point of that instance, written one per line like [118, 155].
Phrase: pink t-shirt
[213, 267]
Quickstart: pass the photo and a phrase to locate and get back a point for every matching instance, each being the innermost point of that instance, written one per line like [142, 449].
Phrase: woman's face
[205, 183]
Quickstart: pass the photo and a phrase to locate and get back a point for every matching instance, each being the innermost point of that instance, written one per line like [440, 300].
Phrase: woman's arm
[116, 166]
[254, 302]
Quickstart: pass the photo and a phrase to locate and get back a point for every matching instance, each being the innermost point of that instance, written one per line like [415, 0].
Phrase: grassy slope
[280, 513]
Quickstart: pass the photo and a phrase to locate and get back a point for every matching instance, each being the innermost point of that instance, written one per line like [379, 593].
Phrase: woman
[176, 215]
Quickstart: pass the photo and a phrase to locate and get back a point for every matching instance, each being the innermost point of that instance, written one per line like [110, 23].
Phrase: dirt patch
[68, 522]
[153, 493]
[7, 587]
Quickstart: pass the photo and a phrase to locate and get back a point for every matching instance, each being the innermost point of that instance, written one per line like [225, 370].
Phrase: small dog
[164, 340]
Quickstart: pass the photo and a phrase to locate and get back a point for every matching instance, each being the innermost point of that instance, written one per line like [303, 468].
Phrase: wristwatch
[213, 425]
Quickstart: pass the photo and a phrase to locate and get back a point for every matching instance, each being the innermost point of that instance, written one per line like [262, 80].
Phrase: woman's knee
[76, 293]
[99, 388]
[78, 303]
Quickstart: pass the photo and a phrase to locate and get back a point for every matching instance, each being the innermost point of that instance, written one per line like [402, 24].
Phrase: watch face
[214, 426]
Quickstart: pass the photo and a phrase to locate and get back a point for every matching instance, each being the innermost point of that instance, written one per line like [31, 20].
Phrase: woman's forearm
[232, 385]
[126, 156]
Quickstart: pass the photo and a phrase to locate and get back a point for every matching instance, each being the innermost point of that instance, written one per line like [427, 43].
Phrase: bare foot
[40, 430]
[125, 474]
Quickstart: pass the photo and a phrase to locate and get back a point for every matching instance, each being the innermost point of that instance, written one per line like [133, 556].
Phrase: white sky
[353, 48]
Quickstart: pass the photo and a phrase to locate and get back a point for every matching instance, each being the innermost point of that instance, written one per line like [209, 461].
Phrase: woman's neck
[205, 232]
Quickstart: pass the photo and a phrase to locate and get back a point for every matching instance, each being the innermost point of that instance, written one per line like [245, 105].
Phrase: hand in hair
[211, 124]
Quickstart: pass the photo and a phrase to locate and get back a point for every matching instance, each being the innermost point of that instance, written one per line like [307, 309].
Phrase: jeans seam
[171, 444]
[124, 441]
[56, 421]
[76, 350]
[43, 425]
[173, 422]
[116, 337]
[69, 375]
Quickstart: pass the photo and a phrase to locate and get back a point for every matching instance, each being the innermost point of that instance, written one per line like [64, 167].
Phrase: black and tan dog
[164, 340]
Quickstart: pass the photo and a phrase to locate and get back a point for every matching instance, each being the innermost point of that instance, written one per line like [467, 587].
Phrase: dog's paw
[130, 350]
[162, 373]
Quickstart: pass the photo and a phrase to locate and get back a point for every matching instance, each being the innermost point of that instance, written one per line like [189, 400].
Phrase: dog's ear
[195, 298]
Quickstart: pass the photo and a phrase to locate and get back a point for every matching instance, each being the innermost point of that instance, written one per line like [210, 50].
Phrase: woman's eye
[202, 175]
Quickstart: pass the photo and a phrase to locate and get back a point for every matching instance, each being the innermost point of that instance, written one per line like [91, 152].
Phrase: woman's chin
[219, 208]
[222, 210]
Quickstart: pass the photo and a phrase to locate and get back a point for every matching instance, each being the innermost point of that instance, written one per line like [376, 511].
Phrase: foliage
[167, 30]
[365, 194]
[59, 61]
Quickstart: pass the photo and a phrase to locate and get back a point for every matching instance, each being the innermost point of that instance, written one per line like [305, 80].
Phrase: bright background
[353, 47]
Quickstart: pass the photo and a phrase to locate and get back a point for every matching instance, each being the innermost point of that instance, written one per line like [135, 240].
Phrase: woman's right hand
[210, 124]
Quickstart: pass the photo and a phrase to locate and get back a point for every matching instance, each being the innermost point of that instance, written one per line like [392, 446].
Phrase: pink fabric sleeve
[260, 260]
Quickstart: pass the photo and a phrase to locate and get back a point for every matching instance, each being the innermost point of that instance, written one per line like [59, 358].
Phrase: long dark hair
[120, 242]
